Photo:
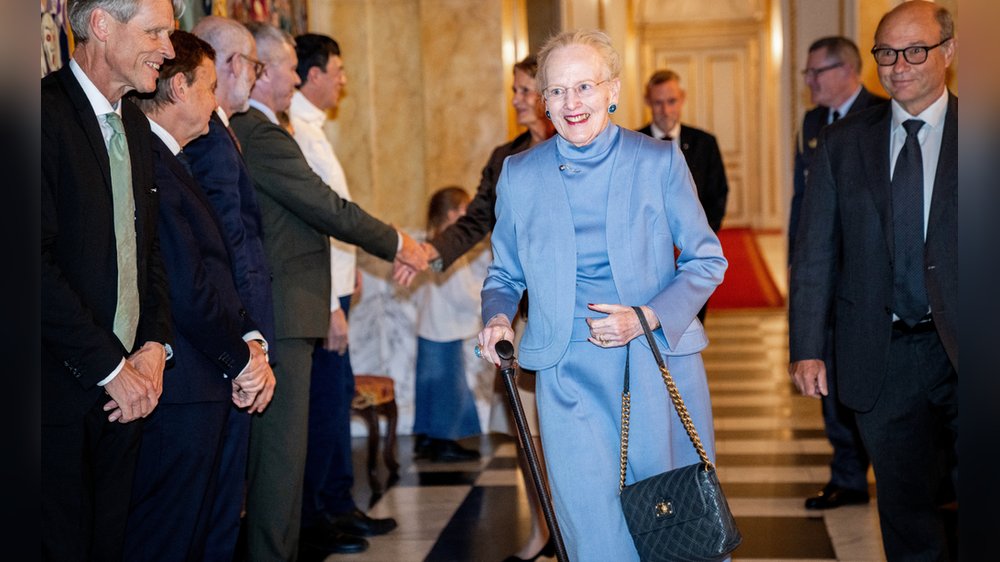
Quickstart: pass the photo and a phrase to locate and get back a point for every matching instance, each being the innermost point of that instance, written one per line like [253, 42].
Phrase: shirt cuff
[255, 335]
[113, 374]
[399, 241]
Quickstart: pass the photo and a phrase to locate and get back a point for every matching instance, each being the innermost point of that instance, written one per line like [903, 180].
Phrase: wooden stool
[374, 396]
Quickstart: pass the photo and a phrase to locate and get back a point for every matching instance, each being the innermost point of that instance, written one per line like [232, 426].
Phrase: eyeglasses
[258, 66]
[886, 56]
[584, 89]
[814, 72]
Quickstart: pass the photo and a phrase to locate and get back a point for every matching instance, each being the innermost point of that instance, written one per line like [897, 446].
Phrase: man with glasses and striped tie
[877, 249]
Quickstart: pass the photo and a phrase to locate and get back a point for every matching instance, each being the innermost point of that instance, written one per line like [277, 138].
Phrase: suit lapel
[88, 121]
[185, 180]
[945, 178]
[875, 156]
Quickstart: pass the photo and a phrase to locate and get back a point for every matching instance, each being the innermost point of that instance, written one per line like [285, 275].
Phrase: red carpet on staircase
[748, 282]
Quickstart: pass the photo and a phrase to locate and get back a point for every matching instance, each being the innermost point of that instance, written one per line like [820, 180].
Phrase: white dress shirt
[929, 136]
[307, 121]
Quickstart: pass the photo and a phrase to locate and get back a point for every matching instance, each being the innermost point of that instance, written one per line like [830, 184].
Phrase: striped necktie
[127, 309]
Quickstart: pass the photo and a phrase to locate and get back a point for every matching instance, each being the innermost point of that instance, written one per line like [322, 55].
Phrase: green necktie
[127, 310]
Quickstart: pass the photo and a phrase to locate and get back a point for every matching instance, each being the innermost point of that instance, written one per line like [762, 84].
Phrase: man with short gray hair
[300, 214]
[105, 319]
[833, 75]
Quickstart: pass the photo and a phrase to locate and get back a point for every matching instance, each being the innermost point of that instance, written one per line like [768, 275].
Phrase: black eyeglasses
[885, 56]
[814, 72]
[258, 66]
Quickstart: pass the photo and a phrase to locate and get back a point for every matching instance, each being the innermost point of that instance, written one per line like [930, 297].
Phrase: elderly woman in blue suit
[587, 223]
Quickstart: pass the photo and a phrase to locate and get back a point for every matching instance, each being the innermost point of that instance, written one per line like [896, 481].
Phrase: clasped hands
[619, 327]
[136, 389]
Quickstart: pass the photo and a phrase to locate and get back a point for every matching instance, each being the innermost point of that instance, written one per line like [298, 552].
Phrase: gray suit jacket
[299, 212]
[842, 266]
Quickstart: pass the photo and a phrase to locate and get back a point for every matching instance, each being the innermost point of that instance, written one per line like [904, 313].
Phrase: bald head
[926, 30]
[235, 60]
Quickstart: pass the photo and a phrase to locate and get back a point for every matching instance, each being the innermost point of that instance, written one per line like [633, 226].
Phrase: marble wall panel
[465, 109]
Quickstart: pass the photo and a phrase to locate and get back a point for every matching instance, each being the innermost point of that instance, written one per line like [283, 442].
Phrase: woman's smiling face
[578, 93]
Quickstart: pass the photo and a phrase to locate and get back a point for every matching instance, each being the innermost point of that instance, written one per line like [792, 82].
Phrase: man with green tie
[104, 313]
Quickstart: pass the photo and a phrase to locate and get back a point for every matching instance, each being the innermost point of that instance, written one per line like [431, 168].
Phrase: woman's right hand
[498, 328]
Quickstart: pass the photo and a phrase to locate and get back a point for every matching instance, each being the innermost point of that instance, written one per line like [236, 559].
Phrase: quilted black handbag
[681, 514]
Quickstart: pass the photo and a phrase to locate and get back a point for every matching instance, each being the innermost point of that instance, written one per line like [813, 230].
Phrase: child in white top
[448, 313]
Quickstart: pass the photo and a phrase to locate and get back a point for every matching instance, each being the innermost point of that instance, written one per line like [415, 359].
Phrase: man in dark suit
[105, 321]
[300, 212]
[665, 99]
[220, 353]
[218, 167]
[833, 74]
[878, 250]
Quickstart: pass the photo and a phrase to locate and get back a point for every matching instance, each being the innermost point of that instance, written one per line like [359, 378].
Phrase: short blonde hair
[594, 38]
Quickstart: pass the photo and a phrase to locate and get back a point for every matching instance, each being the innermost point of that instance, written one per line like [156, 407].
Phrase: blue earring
[613, 108]
[548, 115]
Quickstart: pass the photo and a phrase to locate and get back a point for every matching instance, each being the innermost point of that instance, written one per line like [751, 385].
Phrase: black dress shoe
[834, 496]
[447, 450]
[358, 523]
[323, 540]
[421, 446]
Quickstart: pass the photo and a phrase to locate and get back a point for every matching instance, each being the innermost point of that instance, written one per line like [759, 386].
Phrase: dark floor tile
[474, 532]
[783, 537]
[501, 463]
[783, 434]
[776, 459]
[779, 412]
[776, 489]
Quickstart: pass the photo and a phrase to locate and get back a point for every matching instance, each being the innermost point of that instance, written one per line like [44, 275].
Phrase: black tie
[667, 138]
[184, 161]
[909, 293]
[836, 115]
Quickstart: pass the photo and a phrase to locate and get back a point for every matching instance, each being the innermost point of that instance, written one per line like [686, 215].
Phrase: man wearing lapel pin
[833, 75]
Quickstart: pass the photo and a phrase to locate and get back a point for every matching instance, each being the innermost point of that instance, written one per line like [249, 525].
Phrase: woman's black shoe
[549, 550]
[421, 446]
[447, 450]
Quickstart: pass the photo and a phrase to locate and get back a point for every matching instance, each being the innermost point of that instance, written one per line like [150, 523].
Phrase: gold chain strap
[626, 410]
[675, 397]
[682, 412]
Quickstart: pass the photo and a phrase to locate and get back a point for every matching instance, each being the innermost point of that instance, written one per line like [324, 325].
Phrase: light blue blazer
[652, 207]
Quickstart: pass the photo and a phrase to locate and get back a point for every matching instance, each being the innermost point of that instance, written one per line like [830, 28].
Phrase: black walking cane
[505, 350]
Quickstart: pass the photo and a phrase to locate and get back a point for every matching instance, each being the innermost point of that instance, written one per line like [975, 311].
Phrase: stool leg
[371, 420]
[389, 452]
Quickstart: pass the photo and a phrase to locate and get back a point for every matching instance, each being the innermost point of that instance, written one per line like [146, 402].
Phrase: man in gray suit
[877, 249]
[299, 213]
[833, 74]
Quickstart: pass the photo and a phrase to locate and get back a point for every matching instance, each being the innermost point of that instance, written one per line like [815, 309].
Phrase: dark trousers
[329, 474]
[86, 480]
[849, 466]
[912, 436]
[174, 490]
[230, 488]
